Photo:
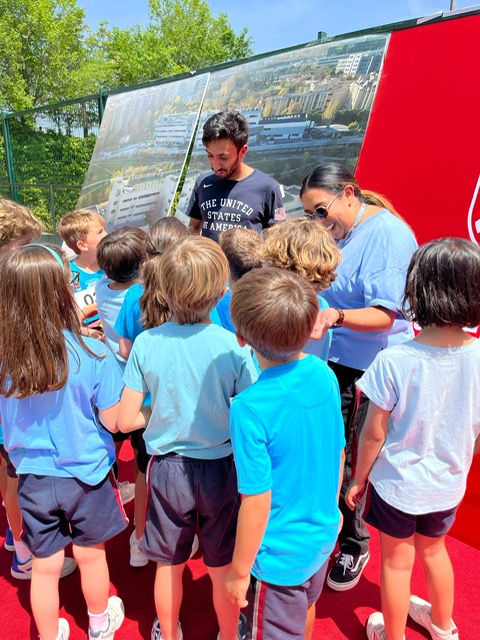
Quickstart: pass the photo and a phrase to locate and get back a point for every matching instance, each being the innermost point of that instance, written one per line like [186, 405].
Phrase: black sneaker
[347, 571]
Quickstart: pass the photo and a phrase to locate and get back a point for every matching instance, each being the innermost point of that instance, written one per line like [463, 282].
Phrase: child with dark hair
[192, 369]
[421, 433]
[129, 323]
[57, 389]
[121, 256]
[134, 317]
[288, 448]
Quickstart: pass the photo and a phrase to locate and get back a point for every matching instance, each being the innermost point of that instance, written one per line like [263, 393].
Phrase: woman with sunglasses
[376, 245]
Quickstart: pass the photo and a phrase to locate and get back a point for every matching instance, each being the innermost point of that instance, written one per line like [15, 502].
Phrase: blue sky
[284, 23]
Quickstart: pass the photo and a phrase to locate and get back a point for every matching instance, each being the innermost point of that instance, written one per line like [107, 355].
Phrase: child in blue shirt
[82, 230]
[306, 248]
[288, 439]
[192, 368]
[241, 247]
[56, 391]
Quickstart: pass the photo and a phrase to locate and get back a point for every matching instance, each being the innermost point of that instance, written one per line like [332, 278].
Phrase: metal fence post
[7, 137]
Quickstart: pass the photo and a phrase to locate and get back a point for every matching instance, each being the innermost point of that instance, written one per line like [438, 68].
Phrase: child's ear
[81, 246]
[241, 340]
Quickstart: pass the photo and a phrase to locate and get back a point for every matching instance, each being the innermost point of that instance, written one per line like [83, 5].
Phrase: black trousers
[354, 536]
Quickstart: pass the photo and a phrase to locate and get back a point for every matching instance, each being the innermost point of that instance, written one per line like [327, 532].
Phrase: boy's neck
[120, 286]
[268, 364]
[445, 337]
[87, 262]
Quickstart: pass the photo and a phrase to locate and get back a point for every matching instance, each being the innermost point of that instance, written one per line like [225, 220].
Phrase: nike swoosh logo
[205, 186]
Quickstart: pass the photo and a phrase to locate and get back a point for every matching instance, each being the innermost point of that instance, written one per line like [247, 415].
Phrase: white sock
[98, 621]
[22, 551]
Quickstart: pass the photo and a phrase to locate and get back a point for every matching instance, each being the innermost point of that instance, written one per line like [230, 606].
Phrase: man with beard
[232, 194]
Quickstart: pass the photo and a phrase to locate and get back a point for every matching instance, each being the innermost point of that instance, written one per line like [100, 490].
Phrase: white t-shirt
[433, 394]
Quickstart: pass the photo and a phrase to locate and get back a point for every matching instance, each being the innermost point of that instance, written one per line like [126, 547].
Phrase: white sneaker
[195, 546]
[24, 571]
[421, 612]
[63, 629]
[116, 615]
[376, 627]
[137, 559]
[156, 633]
[127, 491]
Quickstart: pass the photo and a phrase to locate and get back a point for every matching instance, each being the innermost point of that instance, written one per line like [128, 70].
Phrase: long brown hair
[36, 306]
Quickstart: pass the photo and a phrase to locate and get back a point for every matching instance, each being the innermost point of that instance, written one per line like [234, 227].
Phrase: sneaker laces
[345, 560]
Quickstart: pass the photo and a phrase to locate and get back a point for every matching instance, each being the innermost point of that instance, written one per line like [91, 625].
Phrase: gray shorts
[278, 612]
[57, 511]
[397, 524]
[184, 493]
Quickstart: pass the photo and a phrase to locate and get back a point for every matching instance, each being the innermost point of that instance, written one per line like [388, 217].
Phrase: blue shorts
[397, 524]
[277, 612]
[11, 471]
[57, 511]
[183, 492]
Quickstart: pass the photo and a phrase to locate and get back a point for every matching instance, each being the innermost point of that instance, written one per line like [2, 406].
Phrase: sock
[98, 621]
[443, 633]
[22, 551]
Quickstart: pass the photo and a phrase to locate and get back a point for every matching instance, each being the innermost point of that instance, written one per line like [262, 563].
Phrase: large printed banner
[304, 106]
[140, 152]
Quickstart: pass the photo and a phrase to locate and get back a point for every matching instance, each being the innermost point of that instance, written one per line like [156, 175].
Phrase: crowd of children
[212, 359]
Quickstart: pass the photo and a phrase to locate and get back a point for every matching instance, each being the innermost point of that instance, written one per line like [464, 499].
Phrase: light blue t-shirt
[287, 436]
[375, 258]
[192, 371]
[109, 302]
[58, 433]
[129, 324]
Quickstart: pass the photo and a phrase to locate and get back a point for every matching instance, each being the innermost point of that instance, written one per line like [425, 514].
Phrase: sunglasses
[75, 279]
[321, 212]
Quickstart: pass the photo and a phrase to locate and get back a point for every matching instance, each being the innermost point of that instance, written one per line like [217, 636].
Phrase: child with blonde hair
[305, 248]
[57, 389]
[192, 368]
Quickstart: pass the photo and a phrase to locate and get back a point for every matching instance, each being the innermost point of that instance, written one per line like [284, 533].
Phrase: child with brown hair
[18, 226]
[57, 389]
[192, 368]
[306, 248]
[288, 447]
[240, 245]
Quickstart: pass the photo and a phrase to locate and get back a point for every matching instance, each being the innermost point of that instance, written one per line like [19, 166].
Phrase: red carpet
[340, 616]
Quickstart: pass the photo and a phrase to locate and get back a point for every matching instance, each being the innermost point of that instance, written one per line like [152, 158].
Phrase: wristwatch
[341, 318]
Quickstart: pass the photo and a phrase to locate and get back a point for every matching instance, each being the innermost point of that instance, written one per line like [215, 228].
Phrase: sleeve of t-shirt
[275, 208]
[384, 268]
[108, 382]
[249, 443]
[193, 209]
[378, 383]
[121, 321]
[248, 372]
[133, 376]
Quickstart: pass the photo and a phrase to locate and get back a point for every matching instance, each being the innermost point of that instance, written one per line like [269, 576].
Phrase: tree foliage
[48, 53]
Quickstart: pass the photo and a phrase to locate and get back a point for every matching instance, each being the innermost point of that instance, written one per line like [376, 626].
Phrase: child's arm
[108, 417]
[371, 441]
[131, 414]
[124, 347]
[252, 522]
